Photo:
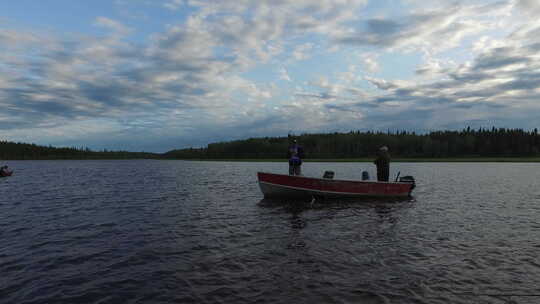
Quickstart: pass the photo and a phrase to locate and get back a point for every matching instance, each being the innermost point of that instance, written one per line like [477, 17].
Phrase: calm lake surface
[149, 231]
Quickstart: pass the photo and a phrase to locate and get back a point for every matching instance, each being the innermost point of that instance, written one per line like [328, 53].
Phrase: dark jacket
[383, 166]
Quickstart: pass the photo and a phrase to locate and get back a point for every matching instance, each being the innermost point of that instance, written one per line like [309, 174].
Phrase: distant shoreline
[399, 160]
[330, 160]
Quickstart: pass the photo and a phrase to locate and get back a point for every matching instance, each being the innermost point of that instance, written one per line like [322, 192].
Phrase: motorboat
[5, 173]
[294, 186]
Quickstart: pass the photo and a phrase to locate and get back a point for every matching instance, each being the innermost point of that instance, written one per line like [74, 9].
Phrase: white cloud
[435, 30]
[370, 62]
[11, 38]
[174, 4]
[284, 75]
[531, 7]
[113, 25]
[301, 51]
[434, 67]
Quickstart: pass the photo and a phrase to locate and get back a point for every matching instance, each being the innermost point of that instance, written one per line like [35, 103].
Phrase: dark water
[199, 232]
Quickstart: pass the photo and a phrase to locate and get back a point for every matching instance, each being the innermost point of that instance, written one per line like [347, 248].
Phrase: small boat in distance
[294, 186]
[5, 173]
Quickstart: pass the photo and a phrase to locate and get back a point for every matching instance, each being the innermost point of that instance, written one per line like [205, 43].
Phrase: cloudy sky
[155, 75]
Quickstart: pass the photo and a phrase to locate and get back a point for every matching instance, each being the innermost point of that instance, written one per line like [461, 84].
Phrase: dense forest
[467, 143]
[495, 142]
[12, 151]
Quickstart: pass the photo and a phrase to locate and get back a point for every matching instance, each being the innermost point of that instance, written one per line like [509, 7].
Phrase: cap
[383, 148]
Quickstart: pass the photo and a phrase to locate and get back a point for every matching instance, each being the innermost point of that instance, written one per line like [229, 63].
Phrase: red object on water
[281, 185]
[6, 173]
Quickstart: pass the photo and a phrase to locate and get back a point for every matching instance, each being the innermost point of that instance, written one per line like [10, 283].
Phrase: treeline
[21, 151]
[494, 142]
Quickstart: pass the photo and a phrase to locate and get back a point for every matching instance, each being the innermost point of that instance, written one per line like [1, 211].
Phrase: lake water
[149, 231]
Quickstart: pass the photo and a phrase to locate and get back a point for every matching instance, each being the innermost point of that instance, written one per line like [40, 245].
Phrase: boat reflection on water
[385, 209]
[308, 227]
[322, 202]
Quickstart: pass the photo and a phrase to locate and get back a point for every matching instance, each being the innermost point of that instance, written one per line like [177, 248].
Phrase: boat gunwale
[328, 179]
[322, 192]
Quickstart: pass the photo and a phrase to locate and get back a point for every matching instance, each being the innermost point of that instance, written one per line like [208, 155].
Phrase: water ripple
[200, 232]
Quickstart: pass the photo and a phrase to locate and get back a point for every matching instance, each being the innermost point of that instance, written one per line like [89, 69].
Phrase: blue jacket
[295, 154]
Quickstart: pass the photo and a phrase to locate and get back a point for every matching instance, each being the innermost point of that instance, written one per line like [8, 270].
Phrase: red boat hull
[5, 174]
[280, 185]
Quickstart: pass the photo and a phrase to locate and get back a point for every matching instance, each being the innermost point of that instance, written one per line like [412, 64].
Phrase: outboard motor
[328, 174]
[365, 175]
[408, 179]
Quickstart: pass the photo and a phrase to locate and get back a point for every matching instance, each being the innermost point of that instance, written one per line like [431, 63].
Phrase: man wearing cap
[383, 164]
[295, 154]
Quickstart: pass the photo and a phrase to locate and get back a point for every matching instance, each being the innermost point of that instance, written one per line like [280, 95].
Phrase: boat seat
[328, 174]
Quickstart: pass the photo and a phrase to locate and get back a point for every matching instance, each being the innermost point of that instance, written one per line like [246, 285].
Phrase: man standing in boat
[295, 154]
[383, 164]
